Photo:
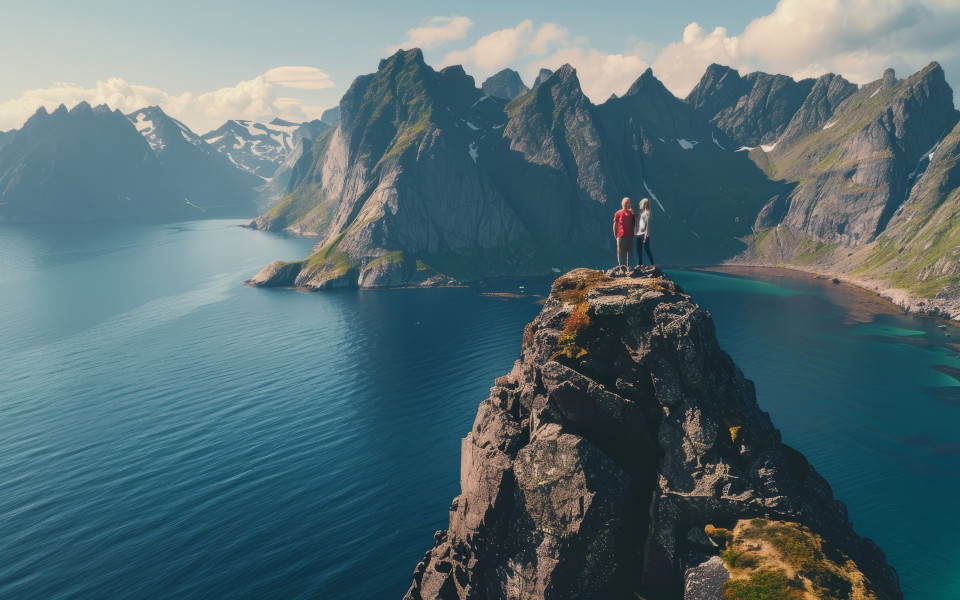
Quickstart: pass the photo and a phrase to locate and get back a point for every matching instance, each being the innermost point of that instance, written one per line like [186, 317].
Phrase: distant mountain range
[260, 148]
[427, 178]
[91, 163]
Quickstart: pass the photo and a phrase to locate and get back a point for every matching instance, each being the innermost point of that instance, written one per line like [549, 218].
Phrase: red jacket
[623, 221]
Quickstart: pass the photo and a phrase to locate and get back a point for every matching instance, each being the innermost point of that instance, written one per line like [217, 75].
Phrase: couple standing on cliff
[628, 225]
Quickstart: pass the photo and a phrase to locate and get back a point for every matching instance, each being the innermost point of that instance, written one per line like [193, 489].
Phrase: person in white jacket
[642, 231]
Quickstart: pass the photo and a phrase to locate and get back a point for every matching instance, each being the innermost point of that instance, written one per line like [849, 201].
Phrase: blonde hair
[645, 204]
[625, 201]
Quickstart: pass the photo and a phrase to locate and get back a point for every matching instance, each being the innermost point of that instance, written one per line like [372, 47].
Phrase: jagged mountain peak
[81, 107]
[283, 123]
[542, 76]
[647, 83]
[160, 129]
[402, 57]
[566, 71]
[719, 87]
[889, 77]
[563, 79]
[506, 84]
[718, 70]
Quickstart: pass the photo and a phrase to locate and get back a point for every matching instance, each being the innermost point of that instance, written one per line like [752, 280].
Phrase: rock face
[750, 110]
[621, 432]
[505, 85]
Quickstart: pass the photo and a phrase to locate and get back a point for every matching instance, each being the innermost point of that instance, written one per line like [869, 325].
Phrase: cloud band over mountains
[802, 38]
[259, 99]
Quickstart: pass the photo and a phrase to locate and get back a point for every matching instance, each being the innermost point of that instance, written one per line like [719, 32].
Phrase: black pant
[641, 244]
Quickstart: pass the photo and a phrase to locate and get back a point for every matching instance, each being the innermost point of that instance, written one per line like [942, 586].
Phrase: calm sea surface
[168, 433]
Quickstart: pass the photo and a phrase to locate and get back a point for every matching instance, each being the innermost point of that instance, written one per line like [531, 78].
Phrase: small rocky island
[625, 456]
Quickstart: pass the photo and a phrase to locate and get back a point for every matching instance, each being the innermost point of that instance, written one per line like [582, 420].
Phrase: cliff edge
[625, 456]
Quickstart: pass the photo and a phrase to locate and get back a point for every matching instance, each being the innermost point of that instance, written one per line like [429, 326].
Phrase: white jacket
[642, 224]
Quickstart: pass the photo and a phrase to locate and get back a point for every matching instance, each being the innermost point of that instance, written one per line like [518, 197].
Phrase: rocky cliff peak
[646, 79]
[542, 76]
[82, 107]
[401, 57]
[506, 85]
[763, 112]
[828, 92]
[662, 114]
[719, 88]
[889, 77]
[610, 459]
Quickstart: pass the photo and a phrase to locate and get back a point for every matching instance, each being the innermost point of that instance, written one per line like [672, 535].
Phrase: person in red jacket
[623, 223]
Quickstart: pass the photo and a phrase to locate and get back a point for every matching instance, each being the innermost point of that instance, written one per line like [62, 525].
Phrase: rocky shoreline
[939, 308]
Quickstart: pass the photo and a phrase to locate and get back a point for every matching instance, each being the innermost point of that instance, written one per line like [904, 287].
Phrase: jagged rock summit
[506, 85]
[614, 459]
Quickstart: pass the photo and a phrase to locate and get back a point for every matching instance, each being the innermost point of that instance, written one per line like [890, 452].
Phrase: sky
[207, 62]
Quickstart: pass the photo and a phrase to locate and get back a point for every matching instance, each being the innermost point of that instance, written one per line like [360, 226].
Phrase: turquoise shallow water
[168, 433]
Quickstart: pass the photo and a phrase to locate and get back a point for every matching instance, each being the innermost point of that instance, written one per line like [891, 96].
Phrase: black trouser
[641, 244]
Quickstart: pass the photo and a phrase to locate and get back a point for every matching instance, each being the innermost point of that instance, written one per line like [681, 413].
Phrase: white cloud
[496, 50]
[255, 99]
[807, 38]
[504, 47]
[435, 31]
[548, 35]
[302, 78]
[857, 39]
[681, 64]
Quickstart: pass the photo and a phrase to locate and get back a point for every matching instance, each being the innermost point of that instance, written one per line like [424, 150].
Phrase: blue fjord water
[168, 433]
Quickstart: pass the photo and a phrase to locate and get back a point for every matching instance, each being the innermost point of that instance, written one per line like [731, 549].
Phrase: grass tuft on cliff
[771, 560]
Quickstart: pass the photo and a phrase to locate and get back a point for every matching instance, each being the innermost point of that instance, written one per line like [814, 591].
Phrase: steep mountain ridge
[550, 167]
[859, 177]
[87, 163]
[398, 180]
[751, 110]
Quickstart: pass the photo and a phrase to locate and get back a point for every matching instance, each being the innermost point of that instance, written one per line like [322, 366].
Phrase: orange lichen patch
[733, 433]
[573, 287]
[576, 322]
[735, 427]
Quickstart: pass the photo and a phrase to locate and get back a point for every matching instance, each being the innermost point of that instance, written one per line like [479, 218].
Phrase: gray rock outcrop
[505, 85]
[621, 431]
